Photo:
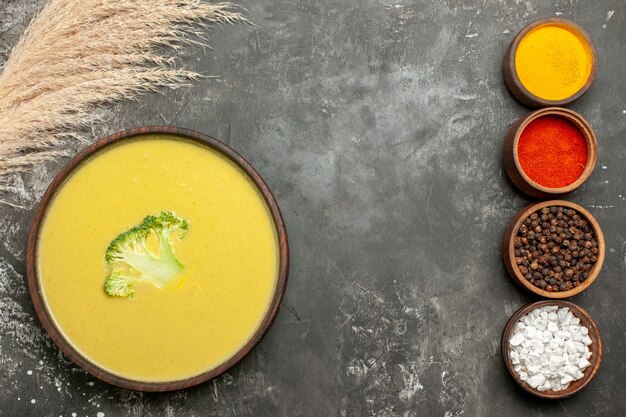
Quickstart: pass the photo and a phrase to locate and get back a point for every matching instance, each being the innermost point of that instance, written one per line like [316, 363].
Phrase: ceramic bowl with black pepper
[554, 249]
[552, 348]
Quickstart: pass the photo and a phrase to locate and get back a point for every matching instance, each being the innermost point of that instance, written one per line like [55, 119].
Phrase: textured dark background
[379, 127]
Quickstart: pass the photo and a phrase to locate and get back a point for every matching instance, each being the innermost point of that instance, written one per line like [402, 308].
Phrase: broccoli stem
[160, 270]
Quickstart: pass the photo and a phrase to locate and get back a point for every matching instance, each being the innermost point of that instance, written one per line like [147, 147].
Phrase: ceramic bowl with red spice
[550, 152]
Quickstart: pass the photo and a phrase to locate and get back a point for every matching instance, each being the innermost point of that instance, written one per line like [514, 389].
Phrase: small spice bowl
[580, 46]
[595, 348]
[508, 249]
[512, 164]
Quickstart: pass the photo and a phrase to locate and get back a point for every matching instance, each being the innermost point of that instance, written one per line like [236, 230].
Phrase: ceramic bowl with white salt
[552, 349]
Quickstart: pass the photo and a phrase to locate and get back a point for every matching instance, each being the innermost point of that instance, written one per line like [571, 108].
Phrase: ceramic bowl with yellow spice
[157, 258]
[550, 62]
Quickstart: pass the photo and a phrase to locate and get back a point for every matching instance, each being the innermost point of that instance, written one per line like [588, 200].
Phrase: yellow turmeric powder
[553, 61]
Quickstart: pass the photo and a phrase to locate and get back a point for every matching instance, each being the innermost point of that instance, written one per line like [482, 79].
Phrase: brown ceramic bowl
[508, 249]
[514, 169]
[36, 292]
[515, 85]
[595, 347]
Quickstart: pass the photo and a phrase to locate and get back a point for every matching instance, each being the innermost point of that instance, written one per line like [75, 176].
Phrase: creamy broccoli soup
[158, 258]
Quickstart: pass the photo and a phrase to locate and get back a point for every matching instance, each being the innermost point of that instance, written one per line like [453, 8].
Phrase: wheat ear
[77, 54]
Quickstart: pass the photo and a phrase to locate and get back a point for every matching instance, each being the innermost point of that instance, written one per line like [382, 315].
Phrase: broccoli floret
[118, 284]
[133, 261]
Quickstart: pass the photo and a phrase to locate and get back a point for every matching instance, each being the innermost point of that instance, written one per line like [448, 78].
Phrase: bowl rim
[40, 305]
[509, 248]
[585, 129]
[513, 77]
[579, 312]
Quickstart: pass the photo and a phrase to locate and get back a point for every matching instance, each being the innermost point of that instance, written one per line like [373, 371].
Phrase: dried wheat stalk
[80, 53]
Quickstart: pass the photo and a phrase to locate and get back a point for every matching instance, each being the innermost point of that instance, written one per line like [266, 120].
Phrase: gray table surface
[379, 127]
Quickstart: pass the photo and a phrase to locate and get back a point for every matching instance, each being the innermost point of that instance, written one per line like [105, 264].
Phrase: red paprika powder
[552, 151]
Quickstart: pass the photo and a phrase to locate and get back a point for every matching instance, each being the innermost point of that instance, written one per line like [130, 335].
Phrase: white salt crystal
[555, 362]
[517, 339]
[530, 332]
[571, 370]
[570, 347]
[536, 380]
[561, 334]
